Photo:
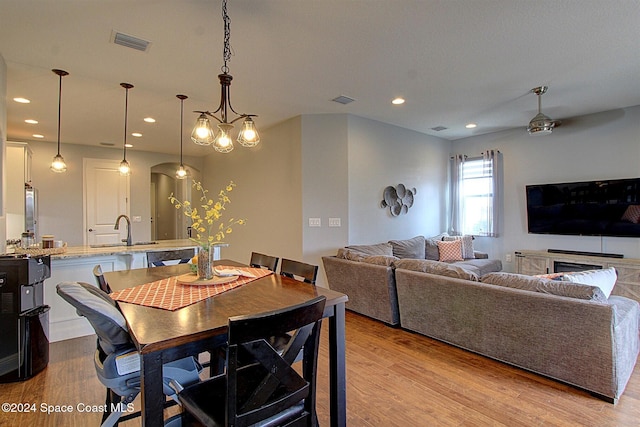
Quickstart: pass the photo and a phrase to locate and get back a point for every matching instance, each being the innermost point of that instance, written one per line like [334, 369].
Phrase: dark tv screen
[590, 208]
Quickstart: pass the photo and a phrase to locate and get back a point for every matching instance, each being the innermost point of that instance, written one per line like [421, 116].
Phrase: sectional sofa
[576, 333]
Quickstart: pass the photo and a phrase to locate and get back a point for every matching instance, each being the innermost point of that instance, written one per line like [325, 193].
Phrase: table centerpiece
[207, 225]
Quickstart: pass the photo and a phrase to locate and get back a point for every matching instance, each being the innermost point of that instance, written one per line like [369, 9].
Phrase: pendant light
[125, 168]
[58, 165]
[181, 173]
[203, 133]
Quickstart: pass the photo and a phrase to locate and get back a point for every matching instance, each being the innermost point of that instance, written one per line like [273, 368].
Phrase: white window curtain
[475, 194]
[456, 185]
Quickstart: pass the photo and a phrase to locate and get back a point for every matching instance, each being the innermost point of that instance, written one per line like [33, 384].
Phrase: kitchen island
[76, 265]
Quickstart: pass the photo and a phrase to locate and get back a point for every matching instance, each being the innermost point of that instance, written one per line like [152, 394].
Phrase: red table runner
[169, 295]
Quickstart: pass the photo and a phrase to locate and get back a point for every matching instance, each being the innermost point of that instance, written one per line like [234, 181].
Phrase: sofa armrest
[371, 288]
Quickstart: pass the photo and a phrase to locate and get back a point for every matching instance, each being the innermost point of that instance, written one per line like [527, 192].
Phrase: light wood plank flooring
[394, 378]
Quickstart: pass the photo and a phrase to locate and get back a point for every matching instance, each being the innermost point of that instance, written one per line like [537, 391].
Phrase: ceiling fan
[541, 124]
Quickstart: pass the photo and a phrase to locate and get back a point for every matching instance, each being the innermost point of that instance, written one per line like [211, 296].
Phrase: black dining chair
[100, 280]
[260, 385]
[259, 260]
[160, 258]
[296, 269]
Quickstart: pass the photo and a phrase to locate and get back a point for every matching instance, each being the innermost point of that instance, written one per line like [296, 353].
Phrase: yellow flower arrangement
[204, 218]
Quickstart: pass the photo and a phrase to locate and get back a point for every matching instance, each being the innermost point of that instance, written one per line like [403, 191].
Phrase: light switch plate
[136, 218]
[334, 222]
[315, 222]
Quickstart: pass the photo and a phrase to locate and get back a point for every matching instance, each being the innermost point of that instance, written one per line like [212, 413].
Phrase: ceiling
[455, 62]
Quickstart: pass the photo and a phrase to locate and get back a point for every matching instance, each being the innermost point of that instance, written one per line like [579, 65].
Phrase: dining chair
[260, 385]
[100, 280]
[116, 359]
[259, 260]
[297, 269]
[159, 258]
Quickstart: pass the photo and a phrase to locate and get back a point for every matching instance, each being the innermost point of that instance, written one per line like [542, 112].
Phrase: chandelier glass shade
[203, 133]
[58, 165]
[125, 168]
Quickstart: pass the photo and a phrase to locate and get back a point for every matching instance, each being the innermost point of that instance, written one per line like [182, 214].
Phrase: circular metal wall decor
[398, 199]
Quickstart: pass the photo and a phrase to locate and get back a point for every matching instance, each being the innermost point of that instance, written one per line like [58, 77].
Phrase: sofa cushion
[450, 250]
[546, 286]
[467, 245]
[377, 249]
[380, 260]
[431, 247]
[435, 267]
[605, 279]
[482, 266]
[409, 248]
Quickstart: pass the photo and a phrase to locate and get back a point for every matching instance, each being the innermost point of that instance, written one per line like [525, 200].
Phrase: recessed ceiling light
[31, 121]
[22, 100]
[128, 145]
[471, 125]
[37, 135]
[398, 101]
[149, 120]
[136, 134]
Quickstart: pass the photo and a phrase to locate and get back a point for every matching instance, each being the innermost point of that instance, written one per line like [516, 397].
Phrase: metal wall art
[398, 199]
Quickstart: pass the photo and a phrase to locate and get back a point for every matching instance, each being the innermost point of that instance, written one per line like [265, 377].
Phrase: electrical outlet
[136, 218]
[508, 258]
[315, 222]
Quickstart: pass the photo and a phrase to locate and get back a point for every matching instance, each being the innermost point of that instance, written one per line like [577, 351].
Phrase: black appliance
[591, 208]
[24, 319]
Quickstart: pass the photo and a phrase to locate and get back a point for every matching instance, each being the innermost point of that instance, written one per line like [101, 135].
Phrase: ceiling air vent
[439, 128]
[130, 41]
[343, 99]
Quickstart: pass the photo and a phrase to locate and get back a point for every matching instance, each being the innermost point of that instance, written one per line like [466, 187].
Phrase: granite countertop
[106, 250]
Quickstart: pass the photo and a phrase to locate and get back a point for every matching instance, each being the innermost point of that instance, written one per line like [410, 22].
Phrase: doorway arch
[167, 222]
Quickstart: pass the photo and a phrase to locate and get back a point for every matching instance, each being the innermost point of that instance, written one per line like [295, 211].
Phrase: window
[475, 194]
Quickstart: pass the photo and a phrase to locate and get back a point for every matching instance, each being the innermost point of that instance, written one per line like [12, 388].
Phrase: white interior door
[106, 195]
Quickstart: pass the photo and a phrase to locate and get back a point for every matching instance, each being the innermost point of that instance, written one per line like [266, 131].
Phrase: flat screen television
[591, 208]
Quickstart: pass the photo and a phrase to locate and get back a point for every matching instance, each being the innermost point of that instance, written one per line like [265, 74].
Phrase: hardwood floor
[394, 378]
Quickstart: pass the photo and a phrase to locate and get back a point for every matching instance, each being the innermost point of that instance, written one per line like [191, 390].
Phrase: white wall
[597, 146]
[268, 193]
[382, 155]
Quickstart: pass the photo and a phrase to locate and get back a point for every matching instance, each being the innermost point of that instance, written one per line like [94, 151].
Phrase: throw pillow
[410, 248]
[632, 214]
[450, 250]
[431, 247]
[605, 279]
[467, 245]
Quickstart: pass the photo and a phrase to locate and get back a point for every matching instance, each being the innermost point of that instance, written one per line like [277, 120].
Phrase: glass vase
[205, 263]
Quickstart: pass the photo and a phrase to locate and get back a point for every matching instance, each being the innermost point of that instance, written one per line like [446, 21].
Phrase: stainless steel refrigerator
[31, 210]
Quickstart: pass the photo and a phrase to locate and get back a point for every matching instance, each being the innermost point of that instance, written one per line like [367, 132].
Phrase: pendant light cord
[59, 110]
[226, 53]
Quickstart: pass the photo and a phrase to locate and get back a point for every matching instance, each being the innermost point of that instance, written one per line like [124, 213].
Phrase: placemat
[169, 295]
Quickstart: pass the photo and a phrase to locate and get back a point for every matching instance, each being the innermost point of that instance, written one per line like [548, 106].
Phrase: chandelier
[203, 133]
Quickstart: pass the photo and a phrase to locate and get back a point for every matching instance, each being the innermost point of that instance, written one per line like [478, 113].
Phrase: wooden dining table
[162, 335]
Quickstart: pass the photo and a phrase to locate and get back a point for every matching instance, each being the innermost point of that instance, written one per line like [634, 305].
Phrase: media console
[532, 263]
[598, 254]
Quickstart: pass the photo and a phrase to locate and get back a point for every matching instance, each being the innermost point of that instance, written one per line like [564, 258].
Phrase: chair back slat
[158, 258]
[259, 260]
[296, 269]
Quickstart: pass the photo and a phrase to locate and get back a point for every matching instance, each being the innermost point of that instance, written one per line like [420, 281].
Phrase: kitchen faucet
[117, 227]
